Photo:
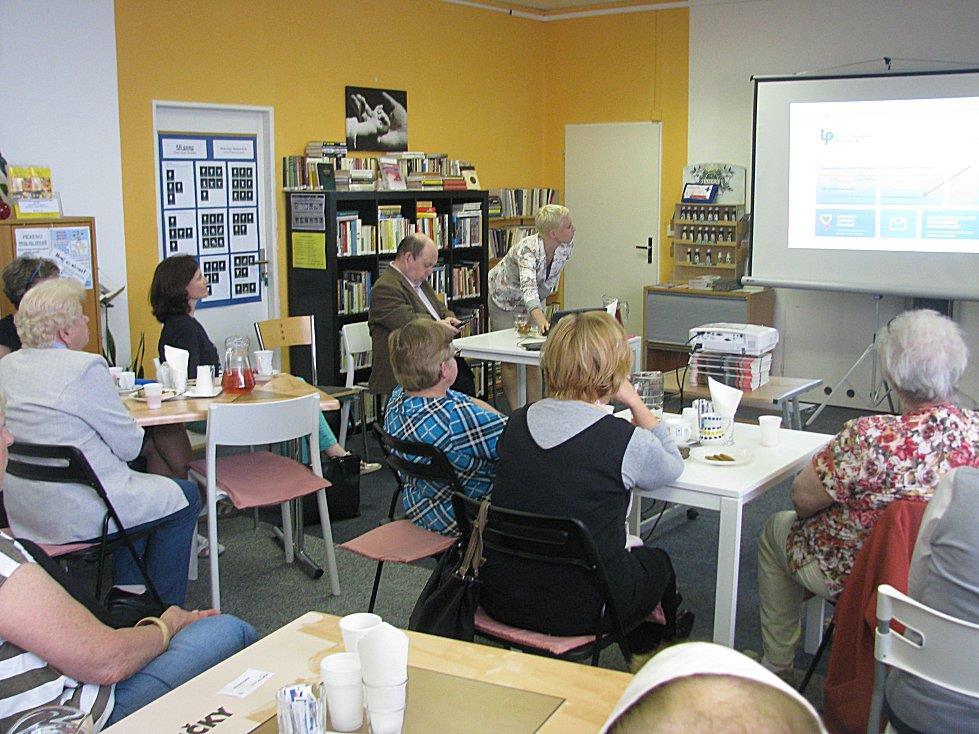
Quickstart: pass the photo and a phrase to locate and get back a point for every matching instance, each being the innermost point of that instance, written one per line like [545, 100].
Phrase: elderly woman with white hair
[873, 461]
[522, 280]
[58, 394]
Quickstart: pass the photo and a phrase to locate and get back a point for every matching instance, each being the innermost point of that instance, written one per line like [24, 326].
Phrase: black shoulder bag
[447, 605]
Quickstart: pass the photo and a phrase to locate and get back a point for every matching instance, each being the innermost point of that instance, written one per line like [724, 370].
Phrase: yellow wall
[478, 85]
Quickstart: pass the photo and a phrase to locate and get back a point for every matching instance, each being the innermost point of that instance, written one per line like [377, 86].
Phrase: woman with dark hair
[20, 275]
[177, 286]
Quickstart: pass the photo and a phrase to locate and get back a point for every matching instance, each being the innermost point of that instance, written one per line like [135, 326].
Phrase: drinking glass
[649, 385]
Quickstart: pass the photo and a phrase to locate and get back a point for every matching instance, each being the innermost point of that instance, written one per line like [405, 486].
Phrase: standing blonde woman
[521, 282]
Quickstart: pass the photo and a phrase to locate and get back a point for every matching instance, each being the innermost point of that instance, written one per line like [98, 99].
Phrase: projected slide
[892, 175]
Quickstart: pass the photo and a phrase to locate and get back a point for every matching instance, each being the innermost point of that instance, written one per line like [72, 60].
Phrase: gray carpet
[258, 586]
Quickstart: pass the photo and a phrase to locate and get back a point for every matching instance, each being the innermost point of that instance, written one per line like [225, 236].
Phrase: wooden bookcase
[315, 290]
[90, 306]
[708, 239]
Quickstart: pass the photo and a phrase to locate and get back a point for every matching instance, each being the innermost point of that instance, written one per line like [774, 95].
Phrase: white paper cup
[690, 416]
[679, 429]
[114, 372]
[386, 707]
[344, 690]
[205, 379]
[153, 392]
[355, 626]
[769, 427]
[263, 361]
[126, 380]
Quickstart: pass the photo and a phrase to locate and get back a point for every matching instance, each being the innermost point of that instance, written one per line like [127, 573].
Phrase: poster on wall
[209, 197]
[730, 180]
[377, 119]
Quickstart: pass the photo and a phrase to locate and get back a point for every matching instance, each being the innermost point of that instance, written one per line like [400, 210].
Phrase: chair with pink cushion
[553, 540]
[261, 478]
[401, 541]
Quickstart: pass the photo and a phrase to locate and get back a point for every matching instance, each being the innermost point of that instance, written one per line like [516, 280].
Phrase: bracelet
[159, 623]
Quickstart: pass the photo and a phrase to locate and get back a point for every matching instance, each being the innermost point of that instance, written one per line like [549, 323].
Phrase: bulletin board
[209, 194]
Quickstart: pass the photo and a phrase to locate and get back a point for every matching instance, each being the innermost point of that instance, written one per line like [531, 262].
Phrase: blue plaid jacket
[465, 432]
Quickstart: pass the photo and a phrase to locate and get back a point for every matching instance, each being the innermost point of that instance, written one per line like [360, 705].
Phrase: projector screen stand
[879, 389]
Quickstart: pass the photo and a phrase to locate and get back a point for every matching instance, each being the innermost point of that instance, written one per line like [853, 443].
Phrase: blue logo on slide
[845, 223]
[825, 135]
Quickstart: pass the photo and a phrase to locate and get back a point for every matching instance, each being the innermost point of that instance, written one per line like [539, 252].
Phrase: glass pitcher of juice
[238, 376]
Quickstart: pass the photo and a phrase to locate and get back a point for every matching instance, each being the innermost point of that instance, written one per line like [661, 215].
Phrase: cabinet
[70, 239]
[670, 313]
[708, 239]
[359, 232]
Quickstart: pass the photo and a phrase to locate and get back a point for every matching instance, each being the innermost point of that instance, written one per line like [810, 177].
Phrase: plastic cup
[344, 690]
[386, 707]
[114, 372]
[769, 427]
[690, 416]
[355, 626]
[263, 361]
[205, 379]
[153, 392]
[126, 380]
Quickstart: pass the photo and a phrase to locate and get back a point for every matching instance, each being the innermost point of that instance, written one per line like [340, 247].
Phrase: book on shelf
[353, 291]
[390, 175]
[392, 227]
[477, 325]
[467, 224]
[522, 202]
[501, 240]
[326, 148]
[454, 183]
[465, 280]
[362, 360]
[471, 178]
[353, 236]
[439, 280]
[325, 177]
[432, 224]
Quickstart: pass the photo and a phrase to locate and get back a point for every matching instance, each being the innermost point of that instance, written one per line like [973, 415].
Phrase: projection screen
[867, 184]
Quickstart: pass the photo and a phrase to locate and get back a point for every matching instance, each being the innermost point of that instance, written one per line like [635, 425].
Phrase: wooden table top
[777, 388]
[293, 654]
[186, 410]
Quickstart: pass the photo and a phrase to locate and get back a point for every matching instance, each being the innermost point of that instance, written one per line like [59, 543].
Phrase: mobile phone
[466, 320]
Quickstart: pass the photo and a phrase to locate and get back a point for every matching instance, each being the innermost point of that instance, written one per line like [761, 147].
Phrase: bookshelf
[360, 231]
[708, 239]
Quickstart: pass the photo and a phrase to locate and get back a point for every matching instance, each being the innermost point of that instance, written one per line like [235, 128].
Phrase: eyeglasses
[37, 272]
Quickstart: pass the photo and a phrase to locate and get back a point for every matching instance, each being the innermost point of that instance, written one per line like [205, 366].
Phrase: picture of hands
[377, 119]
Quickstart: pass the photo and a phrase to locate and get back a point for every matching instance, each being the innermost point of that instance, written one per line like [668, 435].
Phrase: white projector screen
[867, 184]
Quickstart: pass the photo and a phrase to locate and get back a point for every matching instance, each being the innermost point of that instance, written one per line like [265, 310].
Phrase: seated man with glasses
[423, 409]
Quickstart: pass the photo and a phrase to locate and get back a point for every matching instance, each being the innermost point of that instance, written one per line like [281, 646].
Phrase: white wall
[59, 107]
[822, 333]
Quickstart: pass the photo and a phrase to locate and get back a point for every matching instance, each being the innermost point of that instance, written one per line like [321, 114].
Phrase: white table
[727, 490]
[504, 346]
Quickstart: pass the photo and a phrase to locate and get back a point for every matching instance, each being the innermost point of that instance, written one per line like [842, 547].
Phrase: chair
[355, 340]
[934, 646]
[261, 478]
[68, 465]
[551, 540]
[297, 331]
[401, 541]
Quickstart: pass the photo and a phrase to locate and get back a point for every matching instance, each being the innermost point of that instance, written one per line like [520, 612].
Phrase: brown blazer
[394, 304]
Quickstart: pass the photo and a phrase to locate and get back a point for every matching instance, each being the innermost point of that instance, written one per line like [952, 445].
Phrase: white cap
[700, 658]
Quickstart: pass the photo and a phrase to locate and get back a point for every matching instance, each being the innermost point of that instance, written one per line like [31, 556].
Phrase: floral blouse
[520, 281]
[873, 461]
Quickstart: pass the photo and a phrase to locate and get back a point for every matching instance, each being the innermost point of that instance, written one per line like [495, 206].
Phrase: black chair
[401, 541]
[560, 541]
[68, 465]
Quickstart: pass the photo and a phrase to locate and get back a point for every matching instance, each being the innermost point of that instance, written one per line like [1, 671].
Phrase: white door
[186, 117]
[611, 182]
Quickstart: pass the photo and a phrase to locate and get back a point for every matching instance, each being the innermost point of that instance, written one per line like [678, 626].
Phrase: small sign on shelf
[699, 193]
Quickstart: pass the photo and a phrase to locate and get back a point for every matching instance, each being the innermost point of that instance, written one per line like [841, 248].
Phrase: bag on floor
[447, 605]
[343, 498]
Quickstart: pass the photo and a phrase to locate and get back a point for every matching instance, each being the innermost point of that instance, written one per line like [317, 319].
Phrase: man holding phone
[401, 294]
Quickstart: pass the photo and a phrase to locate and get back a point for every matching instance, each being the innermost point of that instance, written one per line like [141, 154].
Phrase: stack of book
[744, 372]
[392, 227]
[523, 202]
[429, 222]
[467, 224]
[326, 149]
[353, 236]
[465, 280]
[353, 291]
[454, 183]
[356, 179]
[424, 181]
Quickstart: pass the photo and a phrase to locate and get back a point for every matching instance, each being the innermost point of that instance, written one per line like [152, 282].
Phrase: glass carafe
[238, 376]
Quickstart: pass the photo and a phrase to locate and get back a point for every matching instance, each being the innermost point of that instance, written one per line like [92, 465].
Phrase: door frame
[266, 143]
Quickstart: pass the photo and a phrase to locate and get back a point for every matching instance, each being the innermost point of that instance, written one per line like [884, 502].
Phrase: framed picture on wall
[376, 119]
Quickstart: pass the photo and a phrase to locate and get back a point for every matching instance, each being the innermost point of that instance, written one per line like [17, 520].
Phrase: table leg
[521, 385]
[728, 560]
[815, 624]
[796, 414]
[787, 418]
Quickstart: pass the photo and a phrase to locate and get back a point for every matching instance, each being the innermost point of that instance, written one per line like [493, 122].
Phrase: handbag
[343, 497]
[447, 604]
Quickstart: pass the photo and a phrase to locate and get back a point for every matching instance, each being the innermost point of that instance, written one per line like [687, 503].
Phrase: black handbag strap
[473, 557]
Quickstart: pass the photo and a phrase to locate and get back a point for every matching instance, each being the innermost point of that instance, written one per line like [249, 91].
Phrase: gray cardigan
[66, 397]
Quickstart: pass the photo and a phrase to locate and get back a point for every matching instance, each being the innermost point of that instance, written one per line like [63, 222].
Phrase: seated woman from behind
[20, 275]
[58, 394]
[55, 651]
[873, 461]
[423, 409]
[567, 456]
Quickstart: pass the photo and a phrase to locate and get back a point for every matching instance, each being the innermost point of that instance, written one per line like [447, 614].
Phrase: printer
[727, 338]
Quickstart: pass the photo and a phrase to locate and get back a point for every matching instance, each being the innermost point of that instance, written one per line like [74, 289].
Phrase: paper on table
[246, 683]
[177, 359]
[725, 398]
[384, 656]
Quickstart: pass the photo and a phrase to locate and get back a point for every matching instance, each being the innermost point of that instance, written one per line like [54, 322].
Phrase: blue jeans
[193, 650]
[166, 550]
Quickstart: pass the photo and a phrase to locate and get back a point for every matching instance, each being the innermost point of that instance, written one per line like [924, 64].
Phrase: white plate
[126, 390]
[215, 391]
[740, 456]
[260, 378]
[164, 396]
